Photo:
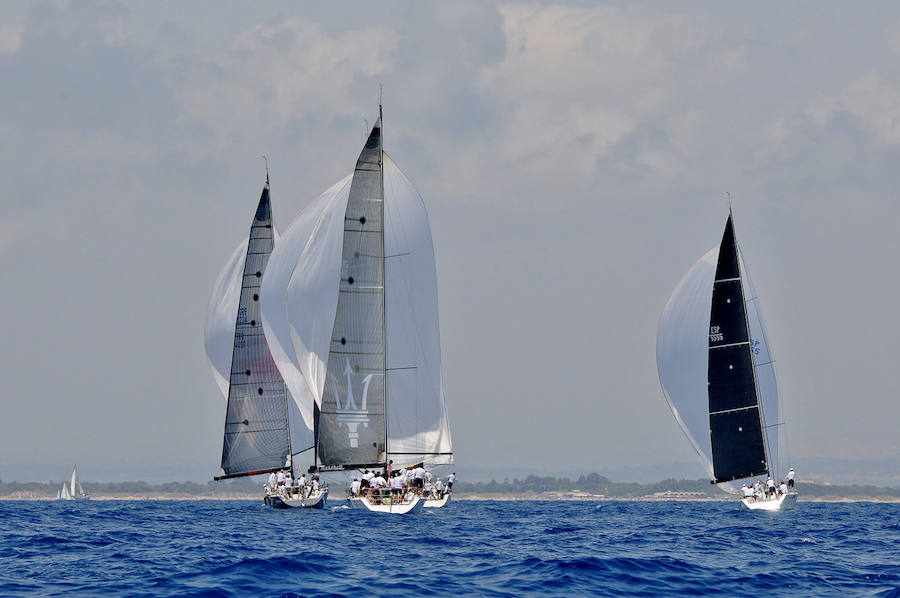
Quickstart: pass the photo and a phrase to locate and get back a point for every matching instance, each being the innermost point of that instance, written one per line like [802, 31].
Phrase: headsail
[257, 436]
[736, 430]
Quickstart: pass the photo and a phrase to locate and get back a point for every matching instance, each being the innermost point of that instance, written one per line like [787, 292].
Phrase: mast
[384, 278]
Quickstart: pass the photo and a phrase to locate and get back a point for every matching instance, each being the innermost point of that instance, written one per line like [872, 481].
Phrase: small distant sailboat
[72, 490]
[262, 421]
[718, 374]
[350, 312]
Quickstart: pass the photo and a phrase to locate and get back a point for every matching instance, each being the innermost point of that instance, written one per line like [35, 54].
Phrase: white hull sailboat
[718, 373]
[409, 503]
[776, 503]
[262, 420]
[311, 499]
[72, 490]
[437, 502]
[349, 306]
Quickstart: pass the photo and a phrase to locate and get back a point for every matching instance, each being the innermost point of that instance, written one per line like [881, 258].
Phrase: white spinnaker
[682, 353]
[764, 366]
[280, 308]
[416, 411]
[221, 315]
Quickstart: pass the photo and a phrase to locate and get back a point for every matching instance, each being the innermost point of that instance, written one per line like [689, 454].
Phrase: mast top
[267, 170]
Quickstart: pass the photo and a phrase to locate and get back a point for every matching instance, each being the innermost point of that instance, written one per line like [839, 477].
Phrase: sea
[471, 548]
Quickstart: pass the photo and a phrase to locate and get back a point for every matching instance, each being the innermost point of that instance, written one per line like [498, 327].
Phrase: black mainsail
[735, 421]
[257, 432]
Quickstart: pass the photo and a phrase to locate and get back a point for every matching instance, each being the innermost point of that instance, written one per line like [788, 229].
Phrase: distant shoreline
[470, 498]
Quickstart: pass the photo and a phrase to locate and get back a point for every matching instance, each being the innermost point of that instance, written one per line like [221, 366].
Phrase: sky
[574, 158]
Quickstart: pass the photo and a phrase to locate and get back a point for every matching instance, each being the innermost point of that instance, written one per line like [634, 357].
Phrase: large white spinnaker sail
[682, 353]
[218, 333]
[418, 427]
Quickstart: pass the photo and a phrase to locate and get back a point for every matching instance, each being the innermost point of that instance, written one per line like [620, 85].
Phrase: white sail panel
[274, 302]
[682, 347]
[311, 292]
[74, 482]
[764, 366]
[417, 421]
[220, 317]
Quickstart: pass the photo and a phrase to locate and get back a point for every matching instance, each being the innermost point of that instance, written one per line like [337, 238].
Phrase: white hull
[782, 501]
[315, 500]
[436, 503]
[410, 504]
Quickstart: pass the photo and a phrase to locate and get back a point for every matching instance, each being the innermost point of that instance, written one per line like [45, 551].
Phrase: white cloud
[872, 99]
[273, 74]
[10, 38]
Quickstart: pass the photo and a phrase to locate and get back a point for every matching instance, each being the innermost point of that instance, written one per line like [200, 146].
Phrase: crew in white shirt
[354, 487]
[783, 488]
[271, 483]
[419, 477]
[790, 478]
[439, 486]
[450, 479]
[279, 479]
[770, 486]
[379, 482]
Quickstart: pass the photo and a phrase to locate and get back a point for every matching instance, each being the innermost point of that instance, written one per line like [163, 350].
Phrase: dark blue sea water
[209, 548]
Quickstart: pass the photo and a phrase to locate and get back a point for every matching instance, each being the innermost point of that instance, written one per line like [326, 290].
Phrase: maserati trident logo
[349, 413]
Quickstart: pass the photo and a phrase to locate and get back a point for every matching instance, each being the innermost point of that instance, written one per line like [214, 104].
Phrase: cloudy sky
[574, 158]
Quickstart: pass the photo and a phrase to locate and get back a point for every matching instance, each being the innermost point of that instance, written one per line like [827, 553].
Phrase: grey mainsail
[351, 420]
[735, 420]
[257, 433]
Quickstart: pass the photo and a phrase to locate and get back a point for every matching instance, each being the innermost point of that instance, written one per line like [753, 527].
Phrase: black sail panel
[735, 425]
[257, 436]
[351, 423]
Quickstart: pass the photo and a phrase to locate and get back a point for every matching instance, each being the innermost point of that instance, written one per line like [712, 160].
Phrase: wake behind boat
[718, 375]
[349, 306]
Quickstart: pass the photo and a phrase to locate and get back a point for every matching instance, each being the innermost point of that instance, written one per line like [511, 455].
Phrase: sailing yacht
[263, 426]
[72, 490]
[349, 306]
[718, 374]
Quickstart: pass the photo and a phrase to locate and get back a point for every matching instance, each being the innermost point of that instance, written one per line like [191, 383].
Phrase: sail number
[715, 334]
